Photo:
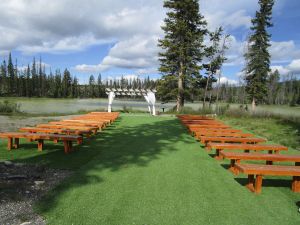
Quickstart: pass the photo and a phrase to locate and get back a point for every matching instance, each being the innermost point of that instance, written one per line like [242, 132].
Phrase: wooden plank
[273, 170]
[222, 134]
[257, 147]
[205, 140]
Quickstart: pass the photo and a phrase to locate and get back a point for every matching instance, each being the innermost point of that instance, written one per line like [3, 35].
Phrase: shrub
[9, 107]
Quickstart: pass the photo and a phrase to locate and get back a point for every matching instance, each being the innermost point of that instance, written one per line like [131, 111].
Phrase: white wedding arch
[148, 94]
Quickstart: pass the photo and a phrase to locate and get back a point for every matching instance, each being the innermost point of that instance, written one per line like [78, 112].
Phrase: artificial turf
[149, 170]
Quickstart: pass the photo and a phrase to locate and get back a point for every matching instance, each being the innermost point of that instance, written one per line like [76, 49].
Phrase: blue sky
[117, 37]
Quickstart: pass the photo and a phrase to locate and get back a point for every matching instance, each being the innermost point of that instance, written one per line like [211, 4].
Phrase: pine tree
[10, 75]
[183, 48]
[34, 76]
[3, 72]
[28, 82]
[258, 57]
[92, 86]
[66, 84]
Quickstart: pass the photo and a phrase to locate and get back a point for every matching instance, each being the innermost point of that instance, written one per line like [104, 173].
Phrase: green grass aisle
[148, 170]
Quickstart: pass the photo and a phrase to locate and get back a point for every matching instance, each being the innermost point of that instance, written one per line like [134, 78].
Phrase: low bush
[9, 107]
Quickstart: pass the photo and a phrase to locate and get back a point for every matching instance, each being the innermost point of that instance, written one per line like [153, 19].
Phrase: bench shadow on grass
[267, 182]
[116, 148]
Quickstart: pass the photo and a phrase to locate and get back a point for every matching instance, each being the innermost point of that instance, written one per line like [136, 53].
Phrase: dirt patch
[21, 186]
[8, 123]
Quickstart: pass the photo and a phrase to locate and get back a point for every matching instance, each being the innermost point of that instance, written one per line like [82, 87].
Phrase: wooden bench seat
[55, 131]
[13, 139]
[227, 130]
[201, 122]
[76, 124]
[255, 183]
[89, 122]
[107, 121]
[222, 134]
[219, 126]
[206, 140]
[236, 157]
[246, 147]
[194, 117]
[73, 127]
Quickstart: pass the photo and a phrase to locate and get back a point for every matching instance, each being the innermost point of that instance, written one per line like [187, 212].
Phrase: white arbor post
[111, 96]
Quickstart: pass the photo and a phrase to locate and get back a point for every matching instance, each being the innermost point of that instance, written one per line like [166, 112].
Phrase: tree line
[33, 81]
[281, 90]
[192, 56]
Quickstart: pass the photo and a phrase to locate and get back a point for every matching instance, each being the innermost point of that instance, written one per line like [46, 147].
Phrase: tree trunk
[205, 92]
[253, 105]
[180, 96]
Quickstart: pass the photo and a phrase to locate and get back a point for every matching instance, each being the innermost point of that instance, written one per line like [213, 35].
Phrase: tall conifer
[182, 47]
[258, 56]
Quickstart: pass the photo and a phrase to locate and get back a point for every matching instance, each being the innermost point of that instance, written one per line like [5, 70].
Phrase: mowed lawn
[149, 170]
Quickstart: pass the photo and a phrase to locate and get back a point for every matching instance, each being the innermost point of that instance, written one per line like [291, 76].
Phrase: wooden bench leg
[9, 143]
[269, 162]
[232, 163]
[296, 184]
[40, 145]
[250, 184]
[17, 143]
[80, 141]
[232, 166]
[217, 156]
[258, 184]
[67, 146]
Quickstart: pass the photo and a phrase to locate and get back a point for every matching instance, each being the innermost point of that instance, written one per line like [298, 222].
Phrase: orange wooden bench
[113, 115]
[13, 139]
[206, 140]
[222, 134]
[228, 130]
[73, 127]
[76, 124]
[219, 126]
[95, 118]
[196, 117]
[201, 121]
[246, 147]
[88, 122]
[236, 157]
[255, 183]
[55, 131]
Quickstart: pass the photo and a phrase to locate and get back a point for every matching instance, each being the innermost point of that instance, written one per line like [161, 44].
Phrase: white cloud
[284, 51]
[225, 80]
[281, 69]
[291, 68]
[294, 66]
[138, 52]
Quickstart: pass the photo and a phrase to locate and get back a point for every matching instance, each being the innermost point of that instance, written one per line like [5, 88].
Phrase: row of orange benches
[67, 131]
[216, 135]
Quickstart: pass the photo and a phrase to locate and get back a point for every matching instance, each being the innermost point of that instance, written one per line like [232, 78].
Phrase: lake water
[47, 105]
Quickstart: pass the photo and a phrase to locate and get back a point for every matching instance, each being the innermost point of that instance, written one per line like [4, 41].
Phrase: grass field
[149, 170]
